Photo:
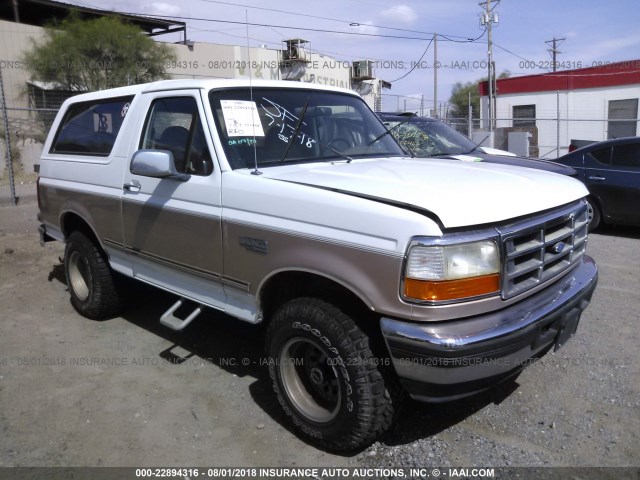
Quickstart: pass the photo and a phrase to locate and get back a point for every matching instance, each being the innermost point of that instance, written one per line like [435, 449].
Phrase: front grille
[538, 250]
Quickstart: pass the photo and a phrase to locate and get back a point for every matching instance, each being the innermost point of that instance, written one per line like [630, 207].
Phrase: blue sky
[595, 32]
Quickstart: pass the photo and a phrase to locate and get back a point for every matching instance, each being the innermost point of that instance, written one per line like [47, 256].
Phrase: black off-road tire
[595, 217]
[90, 280]
[325, 376]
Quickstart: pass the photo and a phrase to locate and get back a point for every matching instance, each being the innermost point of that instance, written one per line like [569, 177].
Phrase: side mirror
[157, 164]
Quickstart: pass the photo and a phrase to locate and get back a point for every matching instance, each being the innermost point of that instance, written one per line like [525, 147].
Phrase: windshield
[296, 125]
[429, 138]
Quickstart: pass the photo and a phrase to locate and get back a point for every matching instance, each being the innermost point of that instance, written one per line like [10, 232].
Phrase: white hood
[460, 194]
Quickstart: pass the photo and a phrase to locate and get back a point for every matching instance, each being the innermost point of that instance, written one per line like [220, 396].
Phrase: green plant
[86, 55]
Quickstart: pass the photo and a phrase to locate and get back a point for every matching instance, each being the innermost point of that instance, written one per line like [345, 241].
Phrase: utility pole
[435, 75]
[554, 44]
[487, 19]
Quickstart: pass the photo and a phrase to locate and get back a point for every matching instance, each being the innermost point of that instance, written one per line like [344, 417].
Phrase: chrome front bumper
[443, 361]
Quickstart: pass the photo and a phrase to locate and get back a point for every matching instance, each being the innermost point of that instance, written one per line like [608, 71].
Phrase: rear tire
[325, 376]
[595, 217]
[90, 279]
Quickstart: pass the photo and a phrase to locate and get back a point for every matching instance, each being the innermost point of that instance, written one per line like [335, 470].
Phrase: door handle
[133, 187]
[596, 178]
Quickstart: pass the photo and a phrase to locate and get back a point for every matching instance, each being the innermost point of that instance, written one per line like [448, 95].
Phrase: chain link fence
[549, 135]
[22, 135]
[417, 104]
[27, 111]
[548, 138]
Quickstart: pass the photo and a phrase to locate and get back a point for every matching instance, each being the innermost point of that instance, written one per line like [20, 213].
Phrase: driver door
[172, 226]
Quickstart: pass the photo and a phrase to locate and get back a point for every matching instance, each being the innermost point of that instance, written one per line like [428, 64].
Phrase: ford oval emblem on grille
[558, 247]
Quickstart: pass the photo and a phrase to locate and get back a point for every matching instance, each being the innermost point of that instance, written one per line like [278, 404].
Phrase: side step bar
[168, 318]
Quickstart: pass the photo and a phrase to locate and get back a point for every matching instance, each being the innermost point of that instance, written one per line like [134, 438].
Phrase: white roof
[204, 84]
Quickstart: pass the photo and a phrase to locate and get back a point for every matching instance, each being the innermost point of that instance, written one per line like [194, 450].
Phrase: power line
[268, 25]
[320, 30]
[468, 40]
[351, 23]
[307, 29]
[514, 54]
[328, 53]
[416, 63]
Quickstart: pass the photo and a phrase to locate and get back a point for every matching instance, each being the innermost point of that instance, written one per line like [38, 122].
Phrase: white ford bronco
[289, 204]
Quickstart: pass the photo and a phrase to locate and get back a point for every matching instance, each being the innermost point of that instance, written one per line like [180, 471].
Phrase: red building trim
[610, 75]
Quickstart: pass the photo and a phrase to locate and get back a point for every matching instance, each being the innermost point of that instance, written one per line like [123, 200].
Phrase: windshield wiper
[296, 130]
[337, 152]
[474, 147]
[389, 130]
[406, 149]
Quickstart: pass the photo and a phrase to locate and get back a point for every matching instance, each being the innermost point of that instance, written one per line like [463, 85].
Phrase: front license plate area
[567, 328]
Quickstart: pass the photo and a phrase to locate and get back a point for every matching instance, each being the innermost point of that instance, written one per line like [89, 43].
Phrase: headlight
[450, 272]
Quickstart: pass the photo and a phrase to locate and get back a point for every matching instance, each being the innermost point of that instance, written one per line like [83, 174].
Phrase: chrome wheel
[310, 382]
[79, 276]
[593, 215]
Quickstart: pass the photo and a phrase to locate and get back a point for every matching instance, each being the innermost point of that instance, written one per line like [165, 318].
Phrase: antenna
[255, 151]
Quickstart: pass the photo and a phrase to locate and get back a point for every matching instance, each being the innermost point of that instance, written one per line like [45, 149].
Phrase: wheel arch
[596, 199]
[284, 285]
[71, 221]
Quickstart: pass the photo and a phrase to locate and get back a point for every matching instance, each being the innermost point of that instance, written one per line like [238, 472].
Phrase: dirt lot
[129, 392]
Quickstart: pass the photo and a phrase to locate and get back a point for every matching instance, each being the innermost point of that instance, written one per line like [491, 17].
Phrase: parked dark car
[611, 172]
[429, 137]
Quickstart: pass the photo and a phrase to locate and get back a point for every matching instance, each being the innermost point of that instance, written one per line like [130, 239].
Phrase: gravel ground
[129, 392]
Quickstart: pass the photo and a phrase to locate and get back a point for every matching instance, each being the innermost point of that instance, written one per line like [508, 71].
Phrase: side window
[622, 118]
[627, 155]
[602, 156]
[173, 124]
[91, 128]
[524, 115]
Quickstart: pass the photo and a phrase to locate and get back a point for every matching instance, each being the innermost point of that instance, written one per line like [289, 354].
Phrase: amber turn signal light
[435, 291]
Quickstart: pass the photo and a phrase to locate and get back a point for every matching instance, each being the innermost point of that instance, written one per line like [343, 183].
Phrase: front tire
[594, 215]
[90, 279]
[325, 376]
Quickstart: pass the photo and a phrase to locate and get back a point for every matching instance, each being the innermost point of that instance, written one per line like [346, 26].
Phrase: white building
[595, 103]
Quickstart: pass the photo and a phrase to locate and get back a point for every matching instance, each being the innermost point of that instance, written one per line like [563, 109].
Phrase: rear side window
[602, 156]
[91, 128]
[627, 155]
